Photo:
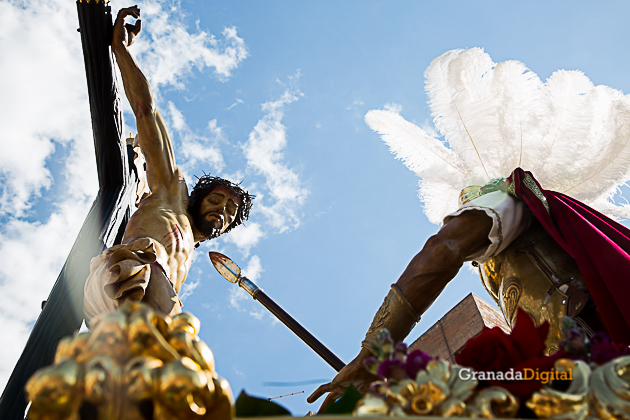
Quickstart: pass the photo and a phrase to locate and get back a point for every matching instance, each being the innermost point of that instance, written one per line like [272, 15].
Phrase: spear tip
[225, 266]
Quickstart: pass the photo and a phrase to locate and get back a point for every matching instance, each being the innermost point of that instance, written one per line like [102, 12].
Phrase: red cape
[600, 246]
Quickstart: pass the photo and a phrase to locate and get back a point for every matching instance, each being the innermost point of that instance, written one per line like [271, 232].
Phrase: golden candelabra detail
[134, 365]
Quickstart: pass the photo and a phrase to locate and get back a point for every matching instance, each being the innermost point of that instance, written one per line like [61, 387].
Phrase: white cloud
[195, 148]
[237, 295]
[238, 372]
[188, 288]
[254, 268]
[167, 51]
[356, 103]
[264, 153]
[178, 123]
[245, 236]
[257, 314]
[238, 101]
[40, 110]
[393, 107]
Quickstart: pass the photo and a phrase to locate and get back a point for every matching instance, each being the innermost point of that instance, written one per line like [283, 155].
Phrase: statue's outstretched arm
[153, 137]
[421, 283]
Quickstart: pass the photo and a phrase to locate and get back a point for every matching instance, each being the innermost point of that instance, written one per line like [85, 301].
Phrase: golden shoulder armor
[536, 274]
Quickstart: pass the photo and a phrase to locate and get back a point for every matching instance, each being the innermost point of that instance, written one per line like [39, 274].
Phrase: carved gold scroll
[134, 365]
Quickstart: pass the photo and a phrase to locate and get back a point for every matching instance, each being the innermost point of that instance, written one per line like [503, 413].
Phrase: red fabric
[600, 246]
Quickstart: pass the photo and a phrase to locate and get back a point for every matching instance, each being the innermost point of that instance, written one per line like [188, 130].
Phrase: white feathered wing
[574, 137]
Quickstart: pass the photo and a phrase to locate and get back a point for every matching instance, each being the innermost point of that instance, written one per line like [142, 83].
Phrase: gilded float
[134, 365]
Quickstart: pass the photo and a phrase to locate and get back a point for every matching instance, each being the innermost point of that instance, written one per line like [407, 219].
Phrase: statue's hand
[124, 34]
[354, 373]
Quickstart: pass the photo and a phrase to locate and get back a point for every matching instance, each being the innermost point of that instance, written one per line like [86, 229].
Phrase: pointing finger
[319, 392]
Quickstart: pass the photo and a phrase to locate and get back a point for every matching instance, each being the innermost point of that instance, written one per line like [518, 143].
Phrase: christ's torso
[163, 217]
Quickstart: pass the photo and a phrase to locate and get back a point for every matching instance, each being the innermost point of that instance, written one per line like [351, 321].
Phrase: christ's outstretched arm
[153, 137]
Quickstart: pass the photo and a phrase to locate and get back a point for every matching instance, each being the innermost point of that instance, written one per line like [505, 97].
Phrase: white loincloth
[509, 216]
[135, 272]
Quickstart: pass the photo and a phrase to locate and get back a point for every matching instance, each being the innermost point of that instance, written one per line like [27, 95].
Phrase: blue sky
[272, 94]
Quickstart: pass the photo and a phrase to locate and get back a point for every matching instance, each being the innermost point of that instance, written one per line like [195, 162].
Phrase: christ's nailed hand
[124, 34]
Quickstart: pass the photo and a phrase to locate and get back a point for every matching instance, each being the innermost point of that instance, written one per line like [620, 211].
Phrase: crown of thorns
[207, 183]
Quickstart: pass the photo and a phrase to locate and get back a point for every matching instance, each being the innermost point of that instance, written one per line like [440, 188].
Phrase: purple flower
[416, 361]
[604, 350]
[577, 340]
[400, 352]
[391, 369]
[401, 347]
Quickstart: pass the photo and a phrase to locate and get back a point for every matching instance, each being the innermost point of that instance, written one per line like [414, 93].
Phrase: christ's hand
[124, 34]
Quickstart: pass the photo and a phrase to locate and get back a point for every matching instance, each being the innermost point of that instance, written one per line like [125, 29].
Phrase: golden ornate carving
[439, 391]
[533, 187]
[569, 404]
[511, 189]
[468, 194]
[395, 314]
[473, 192]
[603, 393]
[493, 402]
[134, 365]
[609, 390]
[510, 295]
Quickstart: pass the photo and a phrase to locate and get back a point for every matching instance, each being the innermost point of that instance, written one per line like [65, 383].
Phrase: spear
[232, 273]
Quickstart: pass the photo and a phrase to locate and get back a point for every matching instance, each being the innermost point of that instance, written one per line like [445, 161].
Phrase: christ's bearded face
[216, 212]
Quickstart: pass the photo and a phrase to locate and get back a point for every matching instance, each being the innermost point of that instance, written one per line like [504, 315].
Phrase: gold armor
[537, 275]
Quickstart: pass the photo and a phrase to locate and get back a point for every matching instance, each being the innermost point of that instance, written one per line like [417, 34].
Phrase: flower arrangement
[503, 375]
[393, 361]
[596, 350]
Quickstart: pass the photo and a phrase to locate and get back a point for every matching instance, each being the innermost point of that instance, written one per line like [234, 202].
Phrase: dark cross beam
[63, 313]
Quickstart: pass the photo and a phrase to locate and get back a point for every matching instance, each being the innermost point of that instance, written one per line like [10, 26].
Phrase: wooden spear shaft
[290, 322]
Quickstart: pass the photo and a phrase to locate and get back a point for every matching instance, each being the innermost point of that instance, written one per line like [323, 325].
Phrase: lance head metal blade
[225, 266]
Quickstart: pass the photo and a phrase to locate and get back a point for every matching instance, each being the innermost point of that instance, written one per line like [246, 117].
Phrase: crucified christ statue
[151, 263]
